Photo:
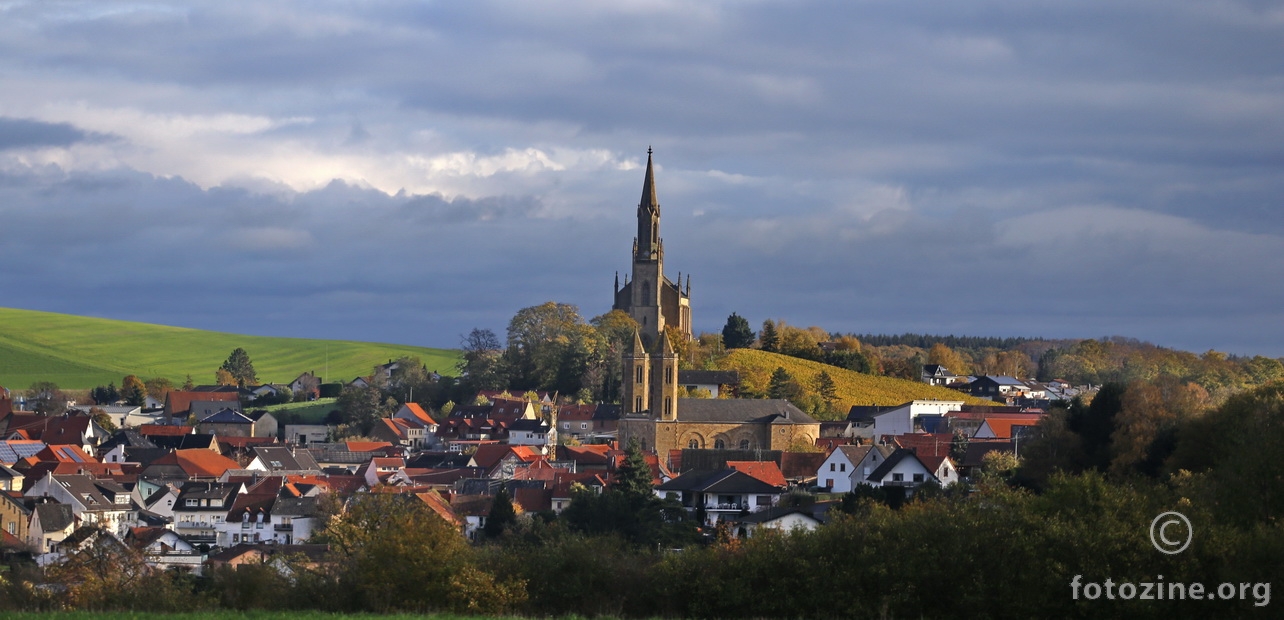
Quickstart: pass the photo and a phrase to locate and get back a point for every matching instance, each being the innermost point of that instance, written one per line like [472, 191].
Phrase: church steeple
[648, 240]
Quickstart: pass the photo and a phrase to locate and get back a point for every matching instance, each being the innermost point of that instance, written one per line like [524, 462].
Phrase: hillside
[853, 388]
[81, 352]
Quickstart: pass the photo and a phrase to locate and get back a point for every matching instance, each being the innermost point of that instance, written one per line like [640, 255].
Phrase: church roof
[770, 411]
[649, 198]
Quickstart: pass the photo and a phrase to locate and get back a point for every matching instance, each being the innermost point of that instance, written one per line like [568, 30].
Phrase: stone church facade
[652, 412]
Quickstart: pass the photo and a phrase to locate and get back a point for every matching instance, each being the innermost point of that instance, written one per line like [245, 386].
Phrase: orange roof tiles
[164, 430]
[367, 446]
[766, 471]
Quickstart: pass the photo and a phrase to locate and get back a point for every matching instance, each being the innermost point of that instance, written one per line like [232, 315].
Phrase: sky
[406, 171]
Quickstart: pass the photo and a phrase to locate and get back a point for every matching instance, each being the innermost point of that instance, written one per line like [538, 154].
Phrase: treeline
[967, 343]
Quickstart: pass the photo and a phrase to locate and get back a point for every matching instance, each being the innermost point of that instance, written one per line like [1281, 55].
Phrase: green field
[312, 412]
[81, 352]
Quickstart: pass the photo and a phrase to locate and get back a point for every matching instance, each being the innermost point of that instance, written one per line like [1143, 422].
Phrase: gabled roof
[418, 412]
[281, 458]
[926, 444]
[709, 377]
[65, 454]
[54, 517]
[760, 411]
[15, 450]
[226, 416]
[177, 402]
[724, 481]
[891, 462]
[198, 462]
[766, 471]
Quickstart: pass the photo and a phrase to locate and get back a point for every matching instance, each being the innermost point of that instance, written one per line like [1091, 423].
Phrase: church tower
[649, 297]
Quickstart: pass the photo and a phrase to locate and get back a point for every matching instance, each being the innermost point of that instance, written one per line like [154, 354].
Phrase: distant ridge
[79, 352]
[853, 388]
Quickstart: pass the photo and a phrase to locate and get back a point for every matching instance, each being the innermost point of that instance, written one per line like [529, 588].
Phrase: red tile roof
[164, 430]
[766, 471]
[367, 446]
[180, 403]
[926, 444]
[198, 462]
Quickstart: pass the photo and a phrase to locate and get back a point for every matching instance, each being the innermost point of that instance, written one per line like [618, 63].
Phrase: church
[652, 412]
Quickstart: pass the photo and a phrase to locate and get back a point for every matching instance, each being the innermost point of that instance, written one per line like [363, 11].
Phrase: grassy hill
[81, 352]
[853, 388]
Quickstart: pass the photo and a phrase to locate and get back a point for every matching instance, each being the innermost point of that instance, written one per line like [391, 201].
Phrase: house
[14, 450]
[296, 519]
[164, 549]
[201, 509]
[304, 434]
[907, 418]
[306, 386]
[996, 387]
[178, 404]
[184, 465]
[410, 433]
[101, 503]
[901, 469]
[282, 459]
[15, 516]
[779, 518]
[227, 422]
[11, 479]
[719, 383]
[936, 374]
[720, 495]
[536, 433]
[50, 524]
[849, 466]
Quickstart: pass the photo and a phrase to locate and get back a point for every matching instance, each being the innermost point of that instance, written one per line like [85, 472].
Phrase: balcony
[283, 527]
[194, 525]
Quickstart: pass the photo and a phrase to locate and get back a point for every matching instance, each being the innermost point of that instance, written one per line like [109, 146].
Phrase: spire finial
[648, 151]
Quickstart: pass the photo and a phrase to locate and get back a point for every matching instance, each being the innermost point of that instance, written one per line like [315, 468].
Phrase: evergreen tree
[736, 334]
[769, 340]
[633, 477]
[133, 391]
[826, 387]
[778, 387]
[238, 364]
[502, 515]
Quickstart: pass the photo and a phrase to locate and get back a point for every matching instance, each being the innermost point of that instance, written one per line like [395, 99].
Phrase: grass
[853, 388]
[82, 352]
[234, 615]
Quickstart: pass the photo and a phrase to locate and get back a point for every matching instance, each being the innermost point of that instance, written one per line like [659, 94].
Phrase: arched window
[668, 406]
[668, 374]
[638, 405]
[744, 444]
[694, 444]
[719, 444]
[639, 374]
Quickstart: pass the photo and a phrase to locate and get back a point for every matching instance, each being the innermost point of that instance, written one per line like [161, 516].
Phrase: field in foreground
[233, 615]
[82, 352]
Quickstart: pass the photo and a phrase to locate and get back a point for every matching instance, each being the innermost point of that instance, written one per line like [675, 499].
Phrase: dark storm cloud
[1059, 168]
[23, 133]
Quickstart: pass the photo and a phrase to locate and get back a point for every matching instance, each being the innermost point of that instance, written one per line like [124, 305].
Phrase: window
[833, 467]
[639, 374]
[191, 502]
[719, 444]
[638, 406]
[583, 425]
[842, 467]
[763, 500]
[744, 444]
[898, 477]
[918, 477]
[693, 444]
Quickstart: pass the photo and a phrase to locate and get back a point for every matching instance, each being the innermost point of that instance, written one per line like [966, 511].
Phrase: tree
[223, 377]
[949, 358]
[362, 407]
[502, 515]
[238, 364]
[736, 333]
[826, 387]
[158, 387]
[481, 365]
[188, 384]
[768, 339]
[101, 418]
[393, 553]
[133, 391]
[633, 476]
[46, 399]
[105, 395]
[783, 385]
[550, 347]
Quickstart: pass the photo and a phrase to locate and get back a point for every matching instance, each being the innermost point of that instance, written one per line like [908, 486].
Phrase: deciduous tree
[238, 364]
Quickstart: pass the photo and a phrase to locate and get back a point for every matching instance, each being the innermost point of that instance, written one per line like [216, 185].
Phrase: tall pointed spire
[649, 199]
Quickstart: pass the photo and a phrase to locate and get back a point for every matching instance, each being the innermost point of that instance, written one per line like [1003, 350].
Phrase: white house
[903, 419]
[901, 469]
[848, 466]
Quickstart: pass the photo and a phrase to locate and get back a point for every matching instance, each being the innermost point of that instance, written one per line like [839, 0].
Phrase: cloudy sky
[405, 171]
